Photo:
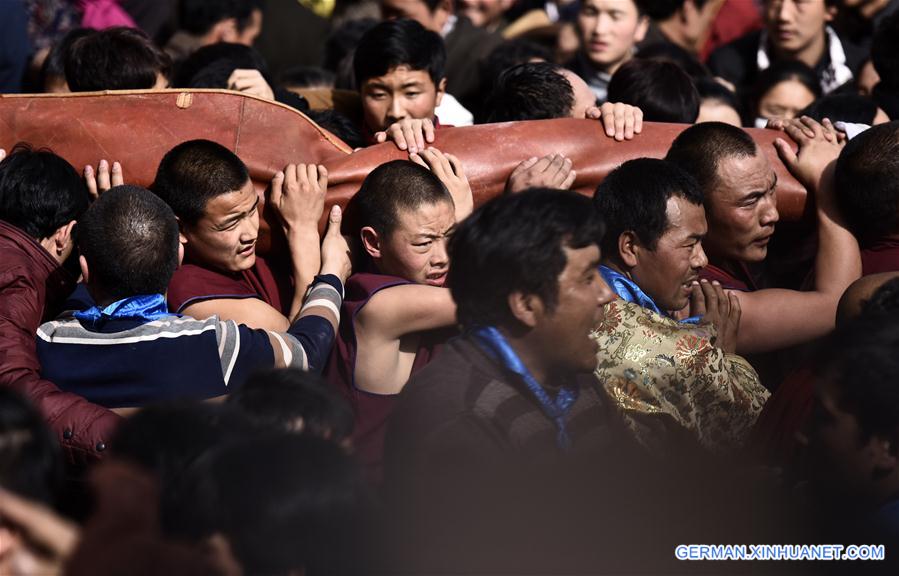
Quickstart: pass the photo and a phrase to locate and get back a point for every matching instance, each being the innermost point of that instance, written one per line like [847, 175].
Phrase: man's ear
[371, 241]
[85, 273]
[441, 90]
[182, 237]
[628, 249]
[526, 308]
[830, 12]
[64, 240]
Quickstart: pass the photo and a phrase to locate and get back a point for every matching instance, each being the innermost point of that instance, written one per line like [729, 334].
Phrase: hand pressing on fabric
[819, 146]
[298, 196]
[620, 121]
[250, 82]
[335, 252]
[103, 178]
[410, 134]
[448, 170]
[719, 308]
[552, 171]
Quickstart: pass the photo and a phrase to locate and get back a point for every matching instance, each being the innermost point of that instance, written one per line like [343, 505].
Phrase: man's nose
[603, 22]
[397, 111]
[699, 260]
[439, 255]
[770, 215]
[604, 293]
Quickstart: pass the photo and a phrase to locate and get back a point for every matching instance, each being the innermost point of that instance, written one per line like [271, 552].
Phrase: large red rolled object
[138, 127]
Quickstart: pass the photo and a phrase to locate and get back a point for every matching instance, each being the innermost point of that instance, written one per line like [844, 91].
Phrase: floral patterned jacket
[668, 379]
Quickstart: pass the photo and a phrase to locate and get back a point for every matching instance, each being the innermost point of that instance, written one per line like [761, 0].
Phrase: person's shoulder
[454, 380]
[192, 283]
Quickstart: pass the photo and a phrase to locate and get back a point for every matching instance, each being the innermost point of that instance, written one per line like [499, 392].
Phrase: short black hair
[860, 359]
[885, 299]
[129, 238]
[389, 188]
[307, 77]
[339, 125]
[668, 52]
[711, 89]
[700, 148]
[514, 243]
[194, 172]
[199, 16]
[634, 198]
[211, 66]
[867, 182]
[40, 191]
[506, 55]
[115, 59]
[660, 88]
[884, 48]
[54, 66]
[846, 107]
[394, 43]
[290, 400]
[31, 463]
[530, 91]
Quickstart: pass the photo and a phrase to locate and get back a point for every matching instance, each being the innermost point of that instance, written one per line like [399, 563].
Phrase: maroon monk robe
[881, 256]
[371, 410]
[728, 280]
[193, 283]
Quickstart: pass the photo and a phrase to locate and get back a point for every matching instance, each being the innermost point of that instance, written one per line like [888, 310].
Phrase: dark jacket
[737, 62]
[32, 286]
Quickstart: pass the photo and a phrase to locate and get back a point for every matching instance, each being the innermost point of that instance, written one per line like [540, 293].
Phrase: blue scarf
[146, 307]
[628, 290]
[556, 409]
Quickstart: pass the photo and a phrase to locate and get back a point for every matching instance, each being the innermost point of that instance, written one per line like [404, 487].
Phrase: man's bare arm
[400, 310]
[773, 318]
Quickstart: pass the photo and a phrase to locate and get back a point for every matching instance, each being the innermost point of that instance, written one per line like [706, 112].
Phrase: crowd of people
[545, 382]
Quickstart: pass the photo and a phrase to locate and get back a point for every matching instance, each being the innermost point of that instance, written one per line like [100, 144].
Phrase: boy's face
[225, 237]
[416, 248]
[794, 24]
[401, 93]
[608, 30]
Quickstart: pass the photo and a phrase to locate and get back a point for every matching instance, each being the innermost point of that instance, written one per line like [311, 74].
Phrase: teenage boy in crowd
[128, 350]
[609, 31]
[397, 304]
[209, 189]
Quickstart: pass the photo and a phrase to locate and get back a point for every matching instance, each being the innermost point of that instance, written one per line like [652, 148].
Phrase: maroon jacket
[31, 284]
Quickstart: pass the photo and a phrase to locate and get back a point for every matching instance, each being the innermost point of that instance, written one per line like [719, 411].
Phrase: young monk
[394, 312]
[210, 191]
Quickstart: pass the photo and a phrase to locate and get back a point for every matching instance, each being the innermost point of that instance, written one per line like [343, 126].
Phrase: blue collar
[556, 409]
[627, 290]
[146, 307]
